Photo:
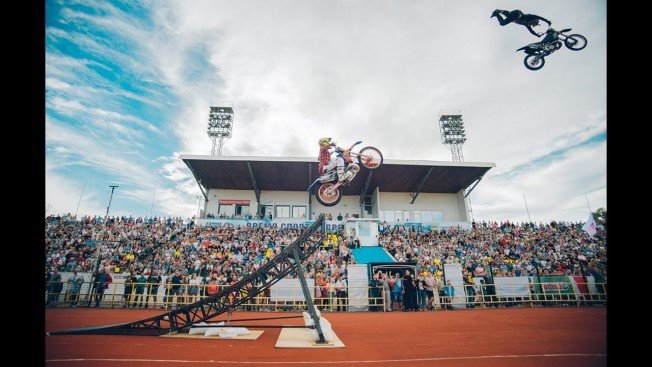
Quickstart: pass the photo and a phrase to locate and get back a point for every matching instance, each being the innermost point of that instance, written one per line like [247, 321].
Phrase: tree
[600, 216]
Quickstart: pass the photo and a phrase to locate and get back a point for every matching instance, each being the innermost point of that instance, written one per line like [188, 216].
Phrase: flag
[590, 226]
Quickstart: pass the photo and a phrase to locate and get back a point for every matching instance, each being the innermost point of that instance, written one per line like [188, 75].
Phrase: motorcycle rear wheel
[324, 198]
[575, 42]
[534, 62]
[370, 157]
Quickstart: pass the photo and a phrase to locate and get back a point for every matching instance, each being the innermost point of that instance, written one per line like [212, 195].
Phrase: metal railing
[291, 298]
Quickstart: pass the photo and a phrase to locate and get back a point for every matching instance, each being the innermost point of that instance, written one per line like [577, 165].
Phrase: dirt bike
[536, 52]
[328, 193]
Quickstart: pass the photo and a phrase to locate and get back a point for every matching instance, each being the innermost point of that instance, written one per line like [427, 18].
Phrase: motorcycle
[536, 52]
[328, 193]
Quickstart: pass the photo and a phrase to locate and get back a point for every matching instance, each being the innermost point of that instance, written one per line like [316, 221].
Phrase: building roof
[296, 174]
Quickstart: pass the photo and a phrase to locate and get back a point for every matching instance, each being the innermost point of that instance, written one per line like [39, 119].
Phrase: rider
[327, 164]
[517, 16]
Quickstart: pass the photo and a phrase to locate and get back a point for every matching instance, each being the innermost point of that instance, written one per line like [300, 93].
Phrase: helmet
[324, 142]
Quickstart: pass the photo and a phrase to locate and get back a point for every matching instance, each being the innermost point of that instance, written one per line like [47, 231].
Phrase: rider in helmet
[516, 16]
[327, 164]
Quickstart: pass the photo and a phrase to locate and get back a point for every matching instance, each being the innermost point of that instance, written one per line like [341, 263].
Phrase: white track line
[326, 362]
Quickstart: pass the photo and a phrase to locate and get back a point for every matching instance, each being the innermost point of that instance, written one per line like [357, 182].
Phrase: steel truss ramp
[287, 261]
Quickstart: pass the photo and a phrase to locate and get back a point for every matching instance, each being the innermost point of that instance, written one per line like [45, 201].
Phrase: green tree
[600, 216]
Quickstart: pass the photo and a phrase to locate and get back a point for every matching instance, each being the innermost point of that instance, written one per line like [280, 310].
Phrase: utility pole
[97, 253]
[154, 197]
[587, 203]
[80, 197]
[110, 199]
[527, 209]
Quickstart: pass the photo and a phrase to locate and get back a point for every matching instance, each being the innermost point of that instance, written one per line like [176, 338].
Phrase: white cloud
[375, 71]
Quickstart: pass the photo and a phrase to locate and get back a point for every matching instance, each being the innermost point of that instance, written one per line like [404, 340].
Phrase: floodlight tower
[451, 127]
[220, 125]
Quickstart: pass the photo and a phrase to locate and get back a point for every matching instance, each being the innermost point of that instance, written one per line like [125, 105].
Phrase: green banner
[553, 284]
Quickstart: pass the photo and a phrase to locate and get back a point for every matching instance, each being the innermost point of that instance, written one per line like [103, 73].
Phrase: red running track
[503, 337]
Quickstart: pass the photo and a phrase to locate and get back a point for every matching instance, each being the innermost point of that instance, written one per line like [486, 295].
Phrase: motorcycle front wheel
[328, 199]
[370, 157]
[575, 42]
[534, 62]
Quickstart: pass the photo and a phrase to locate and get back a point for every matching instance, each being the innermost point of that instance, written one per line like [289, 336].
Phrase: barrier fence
[500, 294]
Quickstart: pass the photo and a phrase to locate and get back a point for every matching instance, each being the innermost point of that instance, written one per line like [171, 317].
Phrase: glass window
[282, 211]
[241, 210]
[426, 216]
[364, 228]
[398, 215]
[381, 215]
[437, 216]
[406, 216]
[298, 211]
[226, 209]
[417, 216]
[389, 216]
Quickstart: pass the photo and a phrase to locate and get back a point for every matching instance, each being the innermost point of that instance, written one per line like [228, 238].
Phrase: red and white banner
[233, 201]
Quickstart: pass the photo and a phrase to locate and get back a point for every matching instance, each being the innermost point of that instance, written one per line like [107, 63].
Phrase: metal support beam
[254, 183]
[201, 188]
[309, 215]
[423, 180]
[366, 187]
[306, 294]
[474, 185]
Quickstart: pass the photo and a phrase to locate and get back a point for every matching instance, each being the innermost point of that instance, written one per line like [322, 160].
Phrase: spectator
[74, 287]
[55, 285]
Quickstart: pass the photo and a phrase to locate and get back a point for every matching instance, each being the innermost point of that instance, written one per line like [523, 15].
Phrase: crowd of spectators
[504, 249]
[141, 247]
[190, 256]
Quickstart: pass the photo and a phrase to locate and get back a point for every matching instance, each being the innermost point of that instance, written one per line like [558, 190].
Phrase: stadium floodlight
[220, 125]
[451, 127]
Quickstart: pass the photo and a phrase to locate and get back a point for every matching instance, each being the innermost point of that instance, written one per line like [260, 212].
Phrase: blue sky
[128, 86]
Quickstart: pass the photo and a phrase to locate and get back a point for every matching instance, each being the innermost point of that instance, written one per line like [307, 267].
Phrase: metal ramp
[209, 307]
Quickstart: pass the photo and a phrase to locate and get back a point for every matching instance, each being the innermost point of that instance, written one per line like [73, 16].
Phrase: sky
[129, 85]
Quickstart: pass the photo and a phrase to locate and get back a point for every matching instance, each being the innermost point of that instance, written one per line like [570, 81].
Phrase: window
[266, 210]
[364, 228]
[417, 216]
[399, 215]
[406, 216]
[298, 211]
[437, 216]
[426, 216]
[226, 209]
[241, 210]
[389, 216]
[282, 211]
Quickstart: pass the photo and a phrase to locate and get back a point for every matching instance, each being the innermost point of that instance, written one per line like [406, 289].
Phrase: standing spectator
[193, 288]
[429, 286]
[140, 289]
[340, 293]
[55, 285]
[176, 285]
[410, 294]
[449, 292]
[397, 292]
[469, 288]
[153, 283]
[339, 217]
[387, 292]
[128, 291]
[102, 281]
[422, 295]
[74, 287]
